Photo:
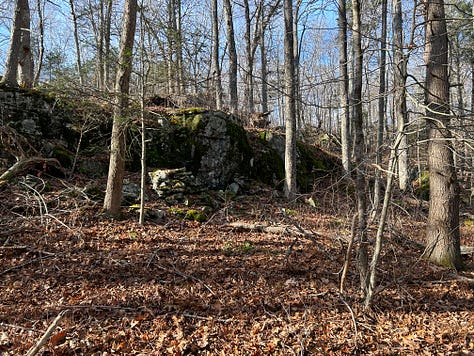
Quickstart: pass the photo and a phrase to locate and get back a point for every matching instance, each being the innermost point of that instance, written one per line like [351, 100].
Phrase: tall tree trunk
[248, 96]
[76, 42]
[39, 64]
[471, 198]
[179, 49]
[263, 66]
[170, 37]
[100, 46]
[442, 233]
[233, 96]
[381, 105]
[216, 69]
[296, 56]
[13, 55]
[344, 86]
[113, 194]
[290, 110]
[26, 66]
[106, 43]
[359, 145]
[399, 99]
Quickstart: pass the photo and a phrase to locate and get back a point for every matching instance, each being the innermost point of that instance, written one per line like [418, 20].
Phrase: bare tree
[216, 68]
[399, 99]
[19, 48]
[381, 104]
[359, 144]
[113, 194]
[344, 85]
[76, 43]
[39, 63]
[442, 233]
[290, 109]
[233, 96]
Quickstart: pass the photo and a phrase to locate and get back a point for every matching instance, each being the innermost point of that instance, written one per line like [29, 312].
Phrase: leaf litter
[182, 287]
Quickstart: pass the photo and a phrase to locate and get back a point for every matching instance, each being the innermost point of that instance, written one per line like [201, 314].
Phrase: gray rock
[130, 193]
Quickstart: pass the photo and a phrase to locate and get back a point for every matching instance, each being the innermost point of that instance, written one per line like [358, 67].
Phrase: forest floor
[225, 286]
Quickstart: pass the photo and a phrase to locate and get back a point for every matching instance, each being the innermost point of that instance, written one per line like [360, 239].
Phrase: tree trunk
[180, 85]
[344, 86]
[26, 68]
[296, 56]
[106, 43]
[263, 66]
[233, 96]
[39, 65]
[14, 50]
[76, 42]
[442, 234]
[248, 89]
[217, 78]
[290, 110]
[113, 194]
[381, 105]
[359, 146]
[399, 99]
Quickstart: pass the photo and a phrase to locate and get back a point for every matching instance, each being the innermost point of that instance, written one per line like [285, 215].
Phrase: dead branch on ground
[24, 164]
[34, 350]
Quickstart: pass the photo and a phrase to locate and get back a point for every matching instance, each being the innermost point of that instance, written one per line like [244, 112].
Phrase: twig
[34, 350]
[209, 318]
[354, 322]
[273, 229]
[27, 263]
[348, 254]
[5, 325]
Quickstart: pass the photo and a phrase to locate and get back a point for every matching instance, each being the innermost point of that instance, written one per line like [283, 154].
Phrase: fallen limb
[24, 164]
[34, 350]
[273, 229]
[28, 262]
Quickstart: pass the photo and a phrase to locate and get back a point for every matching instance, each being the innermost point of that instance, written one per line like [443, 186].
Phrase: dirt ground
[225, 286]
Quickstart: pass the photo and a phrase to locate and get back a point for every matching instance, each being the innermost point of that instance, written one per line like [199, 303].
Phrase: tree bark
[39, 64]
[399, 99]
[233, 96]
[113, 194]
[359, 146]
[14, 50]
[216, 69]
[381, 105]
[290, 110]
[76, 42]
[26, 66]
[248, 89]
[442, 233]
[344, 86]
[263, 67]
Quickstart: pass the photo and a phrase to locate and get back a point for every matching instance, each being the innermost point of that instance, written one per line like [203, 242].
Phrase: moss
[177, 211]
[190, 118]
[269, 168]
[64, 157]
[421, 185]
[195, 215]
[468, 222]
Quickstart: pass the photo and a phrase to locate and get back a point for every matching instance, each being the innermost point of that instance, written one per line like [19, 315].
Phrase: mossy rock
[269, 166]
[195, 215]
[421, 186]
[63, 155]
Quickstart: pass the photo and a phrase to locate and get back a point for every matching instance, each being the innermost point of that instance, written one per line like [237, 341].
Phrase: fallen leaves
[176, 289]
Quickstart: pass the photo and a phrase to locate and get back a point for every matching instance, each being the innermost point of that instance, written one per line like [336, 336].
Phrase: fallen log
[24, 164]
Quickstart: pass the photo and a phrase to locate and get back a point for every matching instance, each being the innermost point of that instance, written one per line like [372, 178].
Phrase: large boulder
[212, 145]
